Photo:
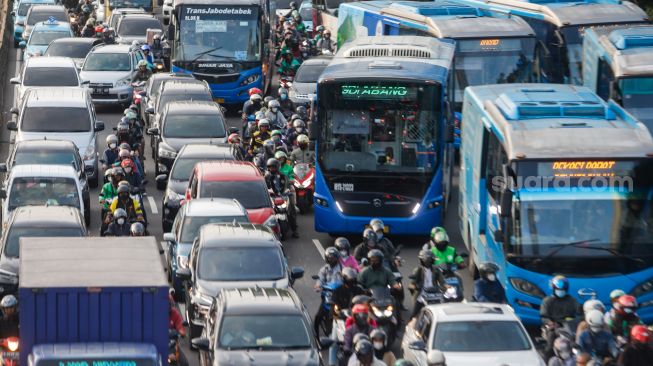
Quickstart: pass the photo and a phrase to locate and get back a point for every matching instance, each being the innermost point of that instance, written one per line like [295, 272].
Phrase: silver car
[45, 71]
[133, 27]
[304, 86]
[42, 13]
[108, 70]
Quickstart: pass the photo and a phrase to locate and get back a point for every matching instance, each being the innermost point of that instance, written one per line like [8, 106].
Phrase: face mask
[491, 277]
[565, 355]
[378, 346]
[560, 293]
[112, 146]
[121, 221]
[128, 170]
[274, 109]
[344, 254]
[284, 96]
[595, 329]
[379, 235]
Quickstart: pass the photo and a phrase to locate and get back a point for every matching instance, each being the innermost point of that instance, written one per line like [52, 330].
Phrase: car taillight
[12, 344]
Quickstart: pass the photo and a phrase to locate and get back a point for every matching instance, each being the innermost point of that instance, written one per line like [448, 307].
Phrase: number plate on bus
[343, 187]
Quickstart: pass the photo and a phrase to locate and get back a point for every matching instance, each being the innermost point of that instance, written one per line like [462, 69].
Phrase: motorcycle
[304, 186]
[138, 93]
[384, 312]
[10, 355]
[281, 213]
[285, 81]
[175, 356]
[327, 304]
[454, 292]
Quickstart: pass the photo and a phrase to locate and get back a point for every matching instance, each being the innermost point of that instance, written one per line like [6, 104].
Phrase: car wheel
[87, 215]
[94, 182]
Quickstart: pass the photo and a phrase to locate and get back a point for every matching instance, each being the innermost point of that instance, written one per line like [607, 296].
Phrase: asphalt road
[305, 251]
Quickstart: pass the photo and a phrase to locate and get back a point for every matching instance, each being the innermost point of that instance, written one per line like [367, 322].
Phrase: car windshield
[12, 247]
[115, 4]
[98, 61]
[23, 8]
[306, 11]
[264, 331]
[241, 264]
[42, 16]
[69, 49]
[636, 93]
[194, 126]
[43, 38]
[250, 194]
[137, 26]
[309, 73]
[50, 76]
[497, 336]
[167, 98]
[192, 224]
[41, 191]
[55, 119]
[45, 157]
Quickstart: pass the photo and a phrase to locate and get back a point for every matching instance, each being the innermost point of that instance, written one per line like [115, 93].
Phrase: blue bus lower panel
[232, 92]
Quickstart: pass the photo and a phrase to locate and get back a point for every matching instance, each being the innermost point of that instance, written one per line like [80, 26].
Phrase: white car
[46, 71]
[469, 334]
[38, 185]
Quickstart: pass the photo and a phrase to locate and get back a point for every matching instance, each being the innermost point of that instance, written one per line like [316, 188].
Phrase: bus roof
[392, 58]
[218, 2]
[628, 49]
[566, 12]
[446, 19]
[552, 121]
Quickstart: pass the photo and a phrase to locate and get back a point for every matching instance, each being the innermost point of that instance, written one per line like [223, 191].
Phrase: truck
[91, 302]
[617, 65]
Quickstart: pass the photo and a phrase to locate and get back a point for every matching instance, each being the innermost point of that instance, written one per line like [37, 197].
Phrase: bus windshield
[378, 126]
[636, 93]
[492, 61]
[211, 32]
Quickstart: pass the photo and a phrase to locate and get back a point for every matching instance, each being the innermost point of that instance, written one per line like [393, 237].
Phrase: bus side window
[495, 158]
[605, 77]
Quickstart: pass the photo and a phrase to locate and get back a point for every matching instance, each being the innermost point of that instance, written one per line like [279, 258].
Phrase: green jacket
[108, 192]
[449, 255]
[287, 68]
[370, 278]
[301, 28]
[287, 170]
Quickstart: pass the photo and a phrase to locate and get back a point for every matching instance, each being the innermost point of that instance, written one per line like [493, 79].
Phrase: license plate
[219, 100]
[281, 216]
[100, 90]
[10, 355]
[386, 228]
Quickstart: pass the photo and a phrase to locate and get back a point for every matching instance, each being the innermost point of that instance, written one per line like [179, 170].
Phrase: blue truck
[617, 65]
[554, 180]
[92, 301]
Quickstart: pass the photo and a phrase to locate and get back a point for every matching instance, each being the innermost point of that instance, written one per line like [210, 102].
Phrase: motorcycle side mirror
[278, 201]
[161, 178]
[14, 110]
[201, 343]
[326, 342]
[412, 277]
[296, 273]
[315, 277]
[142, 93]
[153, 131]
[418, 346]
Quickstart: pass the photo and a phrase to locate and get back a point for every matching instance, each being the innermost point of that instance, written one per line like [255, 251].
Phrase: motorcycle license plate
[452, 281]
[10, 355]
[281, 216]
[386, 228]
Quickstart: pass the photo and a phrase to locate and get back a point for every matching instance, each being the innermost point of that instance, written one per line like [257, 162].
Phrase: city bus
[556, 181]
[224, 42]
[559, 27]
[383, 145]
[617, 65]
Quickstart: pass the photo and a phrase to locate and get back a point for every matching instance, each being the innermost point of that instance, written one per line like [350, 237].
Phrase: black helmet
[122, 127]
[375, 253]
[349, 275]
[342, 244]
[364, 350]
[379, 333]
[370, 237]
[486, 268]
[301, 111]
[137, 229]
[272, 163]
[331, 256]
[426, 257]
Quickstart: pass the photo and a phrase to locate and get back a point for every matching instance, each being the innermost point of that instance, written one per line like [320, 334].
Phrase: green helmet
[437, 229]
[319, 28]
[276, 133]
[142, 63]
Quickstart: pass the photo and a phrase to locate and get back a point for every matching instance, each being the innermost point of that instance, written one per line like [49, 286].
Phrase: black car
[34, 221]
[177, 179]
[230, 256]
[258, 326]
[184, 123]
[153, 86]
[76, 48]
[51, 152]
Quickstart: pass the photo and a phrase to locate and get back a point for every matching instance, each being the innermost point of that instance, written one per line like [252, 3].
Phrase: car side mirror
[12, 126]
[169, 237]
[149, 110]
[21, 23]
[184, 274]
[201, 343]
[153, 131]
[3, 194]
[3, 167]
[449, 130]
[161, 178]
[14, 81]
[315, 277]
[296, 273]
[86, 82]
[418, 346]
[326, 342]
[99, 126]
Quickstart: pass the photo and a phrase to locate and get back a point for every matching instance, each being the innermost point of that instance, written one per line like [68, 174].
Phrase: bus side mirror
[506, 203]
[448, 133]
[171, 32]
[614, 91]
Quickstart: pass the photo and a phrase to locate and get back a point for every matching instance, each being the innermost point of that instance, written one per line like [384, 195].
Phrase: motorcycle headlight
[450, 293]
[388, 312]
[122, 82]
[12, 344]
[166, 151]
[182, 261]
[250, 79]
[643, 288]
[526, 287]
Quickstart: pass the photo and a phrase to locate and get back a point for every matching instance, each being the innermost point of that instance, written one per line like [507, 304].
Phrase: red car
[238, 180]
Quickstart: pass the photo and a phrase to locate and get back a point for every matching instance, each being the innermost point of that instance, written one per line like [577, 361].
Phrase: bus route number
[343, 187]
[191, 17]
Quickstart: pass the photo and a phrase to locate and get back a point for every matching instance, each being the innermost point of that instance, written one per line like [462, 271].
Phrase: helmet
[123, 188]
[379, 334]
[616, 294]
[263, 123]
[255, 97]
[124, 154]
[234, 138]
[627, 304]
[130, 114]
[122, 126]
[403, 362]
[259, 115]
[133, 107]
[276, 133]
[255, 91]
[319, 28]
[359, 309]
[331, 256]
[363, 349]
[145, 47]
[280, 154]
[294, 117]
[142, 63]
[638, 333]
[274, 104]
[137, 229]
[359, 337]
[127, 163]
[349, 275]
[117, 171]
[108, 173]
[440, 237]
[377, 224]
[267, 100]
[112, 139]
[282, 90]
[369, 234]
[298, 123]
[302, 139]
[272, 163]
[426, 257]
[375, 253]
[8, 301]
[487, 268]
[123, 183]
[119, 213]
[125, 146]
[342, 244]
[594, 319]
[562, 347]
[559, 283]
[593, 304]
[301, 110]
[293, 5]
[437, 229]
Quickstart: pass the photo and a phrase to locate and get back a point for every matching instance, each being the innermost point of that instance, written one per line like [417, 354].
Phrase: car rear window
[250, 194]
[69, 49]
[137, 26]
[309, 74]
[192, 224]
[55, 119]
[41, 191]
[167, 98]
[99, 61]
[12, 247]
[44, 15]
[50, 76]
[240, 264]
[194, 126]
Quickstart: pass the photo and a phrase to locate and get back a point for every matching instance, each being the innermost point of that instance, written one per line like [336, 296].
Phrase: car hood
[80, 139]
[178, 186]
[177, 144]
[517, 358]
[103, 76]
[259, 215]
[306, 357]
[212, 288]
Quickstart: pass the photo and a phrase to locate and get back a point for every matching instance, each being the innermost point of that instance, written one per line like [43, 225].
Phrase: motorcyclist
[110, 154]
[276, 137]
[301, 153]
[343, 295]
[614, 301]
[376, 274]
[382, 349]
[326, 44]
[346, 259]
[176, 321]
[9, 319]
[589, 305]
[278, 185]
[260, 136]
[487, 288]
[563, 355]
[148, 56]
[299, 22]
[284, 165]
[597, 341]
[132, 175]
[293, 7]
[286, 105]
[156, 47]
[298, 128]
[318, 35]
[137, 229]
[130, 205]
[383, 242]
[237, 148]
[142, 74]
[360, 313]
[556, 308]
[120, 225]
[110, 189]
[274, 115]
[369, 242]
[638, 352]
[625, 318]
[108, 37]
[444, 253]
[423, 277]
[364, 352]
[289, 64]
[254, 103]
[89, 29]
[330, 273]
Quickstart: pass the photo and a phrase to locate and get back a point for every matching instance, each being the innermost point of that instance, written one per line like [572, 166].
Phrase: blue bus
[617, 65]
[559, 27]
[554, 180]
[383, 146]
[225, 43]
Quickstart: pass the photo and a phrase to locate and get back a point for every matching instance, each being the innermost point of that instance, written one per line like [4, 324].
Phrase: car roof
[53, 96]
[239, 235]
[46, 7]
[74, 40]
[46, 216]
[172, 76]
[217, 151]
[459, 312]
[39, 170]
[186, 86]
[257, 300]
[128, 10]
[220, 171]
[30, 145]
[193, 107]
[52, 61]
[213, 207]
[58, 27]
[112, 48]
[138, 15]
[315, 61]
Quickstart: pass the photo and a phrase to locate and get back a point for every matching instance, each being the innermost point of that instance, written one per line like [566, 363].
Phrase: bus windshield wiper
[562, 246]
[199, 55]
[617, 253]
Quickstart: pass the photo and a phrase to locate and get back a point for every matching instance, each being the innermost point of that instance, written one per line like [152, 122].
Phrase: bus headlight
[643, 288]
[526, 287]
[250, 79]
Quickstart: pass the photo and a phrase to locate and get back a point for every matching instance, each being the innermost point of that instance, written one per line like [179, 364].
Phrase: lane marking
[153, 208]
[319, 247]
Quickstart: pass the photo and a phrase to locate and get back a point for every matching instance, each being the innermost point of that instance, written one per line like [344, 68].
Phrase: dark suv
[34, 221]
[257, 326]
[231, 256]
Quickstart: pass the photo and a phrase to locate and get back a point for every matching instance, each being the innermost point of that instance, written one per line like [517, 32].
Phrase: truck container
[92, 301]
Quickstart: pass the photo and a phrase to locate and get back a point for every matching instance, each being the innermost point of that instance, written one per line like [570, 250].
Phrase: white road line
[319, 247]
[153, 208]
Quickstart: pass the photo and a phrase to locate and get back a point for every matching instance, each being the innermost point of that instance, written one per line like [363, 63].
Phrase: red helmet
[627, 304]
[640, 334]
[127, 163]
[255, 91]
[359, 308]
[234, 138]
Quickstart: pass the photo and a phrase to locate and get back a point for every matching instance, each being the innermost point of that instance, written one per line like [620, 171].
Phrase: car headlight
[166, 151]
[182, 261]
[643, 288]
[89, 153]
[451, 292]
[526, 287]
[292, 93]
[250, 79]
[123, 82]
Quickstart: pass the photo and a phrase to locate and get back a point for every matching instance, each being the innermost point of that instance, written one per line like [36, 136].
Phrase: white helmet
[594, 319]
[593, 304]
